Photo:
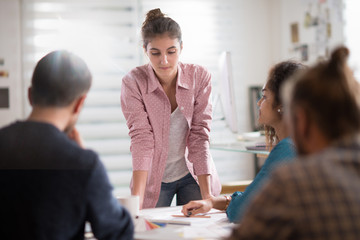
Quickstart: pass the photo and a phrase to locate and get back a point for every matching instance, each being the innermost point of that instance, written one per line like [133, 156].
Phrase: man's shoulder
[324, 163]
[9, 127]
[73, 156]
[42, 146]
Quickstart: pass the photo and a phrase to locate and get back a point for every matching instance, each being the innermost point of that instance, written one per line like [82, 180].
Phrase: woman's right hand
[195, 207]
[139, 184]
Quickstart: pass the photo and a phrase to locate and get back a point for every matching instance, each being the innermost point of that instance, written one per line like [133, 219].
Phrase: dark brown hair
[277, 76]
[156, 23]
[328, 94]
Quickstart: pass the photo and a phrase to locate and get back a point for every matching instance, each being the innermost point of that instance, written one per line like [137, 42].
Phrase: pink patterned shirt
[147, 111]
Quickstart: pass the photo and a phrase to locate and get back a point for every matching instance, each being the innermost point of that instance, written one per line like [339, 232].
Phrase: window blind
[103, 33]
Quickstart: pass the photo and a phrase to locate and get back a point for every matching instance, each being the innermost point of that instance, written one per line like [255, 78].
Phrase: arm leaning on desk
[283, 152]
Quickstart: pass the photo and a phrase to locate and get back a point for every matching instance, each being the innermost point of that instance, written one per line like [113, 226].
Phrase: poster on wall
[304, 49]
[294, 32]
[4, 98]
[3, 73]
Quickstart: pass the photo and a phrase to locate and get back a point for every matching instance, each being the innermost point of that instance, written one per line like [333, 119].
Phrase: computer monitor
[255, 93]
[227, 94]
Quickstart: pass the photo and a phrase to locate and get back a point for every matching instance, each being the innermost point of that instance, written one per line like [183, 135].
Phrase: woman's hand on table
[195, 207]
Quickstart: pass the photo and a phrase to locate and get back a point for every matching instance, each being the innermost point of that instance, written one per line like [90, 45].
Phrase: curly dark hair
[277, 76]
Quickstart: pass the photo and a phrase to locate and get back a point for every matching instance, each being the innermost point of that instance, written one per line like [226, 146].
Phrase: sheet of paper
[205, 233]
[166, 233]
[165, 215]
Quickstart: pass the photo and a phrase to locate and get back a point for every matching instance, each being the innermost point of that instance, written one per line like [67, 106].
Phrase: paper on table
[166, 233]
[216, 230]
[206, 233]
[164, 215]
[218, 225]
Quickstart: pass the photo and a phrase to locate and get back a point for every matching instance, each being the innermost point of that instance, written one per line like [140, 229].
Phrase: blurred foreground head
[323, 101]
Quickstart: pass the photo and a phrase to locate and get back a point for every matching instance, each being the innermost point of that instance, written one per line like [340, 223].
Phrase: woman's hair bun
[152, 15]
[339, 57]
[156, 23]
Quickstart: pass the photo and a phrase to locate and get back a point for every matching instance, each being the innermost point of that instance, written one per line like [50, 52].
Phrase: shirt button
[182, 108]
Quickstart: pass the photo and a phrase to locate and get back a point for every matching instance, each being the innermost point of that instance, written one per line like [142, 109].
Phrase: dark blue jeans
[186, 189]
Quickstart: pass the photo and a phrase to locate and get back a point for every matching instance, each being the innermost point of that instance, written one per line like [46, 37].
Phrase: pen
[194, 216]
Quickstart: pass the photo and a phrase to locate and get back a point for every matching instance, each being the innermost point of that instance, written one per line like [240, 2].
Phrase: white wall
[286, 12]
[10, 51]
[252, 56]
[352, 38]
[249, 41]
[264, 39]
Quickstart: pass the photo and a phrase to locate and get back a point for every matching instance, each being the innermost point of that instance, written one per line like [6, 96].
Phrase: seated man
[49, 185]
[318, 195]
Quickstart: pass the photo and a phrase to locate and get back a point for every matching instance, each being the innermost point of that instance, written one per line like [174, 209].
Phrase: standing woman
[167, 107]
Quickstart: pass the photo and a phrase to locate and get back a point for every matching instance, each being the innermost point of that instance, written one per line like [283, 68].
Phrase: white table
[215, 227]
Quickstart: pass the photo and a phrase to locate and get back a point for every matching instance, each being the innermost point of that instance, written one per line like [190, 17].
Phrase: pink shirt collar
[154, 83]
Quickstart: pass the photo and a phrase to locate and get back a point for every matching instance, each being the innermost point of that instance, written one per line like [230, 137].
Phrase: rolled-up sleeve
[198, 140]
[137, 120]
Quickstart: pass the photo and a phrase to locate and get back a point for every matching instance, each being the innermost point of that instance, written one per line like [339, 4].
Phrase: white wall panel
[10, 56]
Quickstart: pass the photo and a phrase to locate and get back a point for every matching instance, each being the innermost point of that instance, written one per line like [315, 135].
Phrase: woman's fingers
[195, 207]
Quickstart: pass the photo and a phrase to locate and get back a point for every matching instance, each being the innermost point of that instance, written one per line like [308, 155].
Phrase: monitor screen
[227, 94]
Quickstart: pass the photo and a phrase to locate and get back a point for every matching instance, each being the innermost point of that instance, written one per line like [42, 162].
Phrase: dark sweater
[49, 187]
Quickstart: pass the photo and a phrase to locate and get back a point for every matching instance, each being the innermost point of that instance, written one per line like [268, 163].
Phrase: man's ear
[303, 123]
[79, 104]
[29, 95]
